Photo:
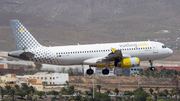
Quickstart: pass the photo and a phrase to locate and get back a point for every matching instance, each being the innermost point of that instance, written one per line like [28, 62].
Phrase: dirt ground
[123, 83]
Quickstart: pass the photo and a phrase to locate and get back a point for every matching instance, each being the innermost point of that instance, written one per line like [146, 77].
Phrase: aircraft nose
[170, 52]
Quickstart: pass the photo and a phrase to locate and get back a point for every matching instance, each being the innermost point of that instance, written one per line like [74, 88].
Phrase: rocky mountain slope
[63, 22]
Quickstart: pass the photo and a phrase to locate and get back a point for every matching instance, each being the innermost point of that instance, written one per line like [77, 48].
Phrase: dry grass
[123, 83]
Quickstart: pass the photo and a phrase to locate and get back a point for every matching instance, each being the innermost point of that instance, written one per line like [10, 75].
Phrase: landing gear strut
[106, 71]
[90, 71]
[151, 63]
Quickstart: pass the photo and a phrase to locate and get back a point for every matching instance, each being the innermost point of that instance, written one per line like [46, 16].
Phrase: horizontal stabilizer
[21, 54]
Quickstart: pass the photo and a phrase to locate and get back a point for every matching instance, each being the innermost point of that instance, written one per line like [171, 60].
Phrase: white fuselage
[91, 54]
[77, 54]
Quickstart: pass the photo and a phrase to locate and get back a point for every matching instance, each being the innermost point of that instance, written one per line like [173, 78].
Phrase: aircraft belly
[71, 61]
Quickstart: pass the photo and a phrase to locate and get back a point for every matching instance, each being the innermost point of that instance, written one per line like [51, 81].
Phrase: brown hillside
[123, 83]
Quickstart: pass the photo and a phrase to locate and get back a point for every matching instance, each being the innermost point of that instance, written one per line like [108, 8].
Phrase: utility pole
[93, 85]
[119, 80]
[93, 82]
[138, 81]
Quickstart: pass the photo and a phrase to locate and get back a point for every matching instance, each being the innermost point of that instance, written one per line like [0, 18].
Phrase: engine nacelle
[129, 62]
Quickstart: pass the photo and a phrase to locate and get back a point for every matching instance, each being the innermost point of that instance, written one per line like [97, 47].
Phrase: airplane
[105, 55]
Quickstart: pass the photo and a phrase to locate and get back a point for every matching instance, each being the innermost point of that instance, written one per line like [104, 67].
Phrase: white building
[135, 70]
[50, 78]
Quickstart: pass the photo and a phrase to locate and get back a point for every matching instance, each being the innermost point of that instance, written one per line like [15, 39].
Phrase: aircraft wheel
[105, 71]
[90, 71]
[152, 68]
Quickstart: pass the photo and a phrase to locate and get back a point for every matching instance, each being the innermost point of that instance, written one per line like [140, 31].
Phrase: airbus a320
[122, 54]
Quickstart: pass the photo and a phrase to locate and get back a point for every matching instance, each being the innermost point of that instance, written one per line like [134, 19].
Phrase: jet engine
[127, 62]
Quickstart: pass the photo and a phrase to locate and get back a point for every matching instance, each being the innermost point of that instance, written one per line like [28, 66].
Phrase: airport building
[8, 79]
[35, 83]
[128, 71]
[53, 80]
[50, 78]
[122, 71]
[12, 79]
[2, 64]
[135, 70]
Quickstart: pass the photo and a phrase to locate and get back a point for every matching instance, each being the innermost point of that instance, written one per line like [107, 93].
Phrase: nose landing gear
[151, 63]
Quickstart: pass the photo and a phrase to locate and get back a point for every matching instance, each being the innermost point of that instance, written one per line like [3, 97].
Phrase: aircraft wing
[110, 57]
[114, 55]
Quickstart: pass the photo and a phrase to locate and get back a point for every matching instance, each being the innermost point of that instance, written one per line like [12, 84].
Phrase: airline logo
[142, 44]
[22, 31]
[58, 55]
[134, 45]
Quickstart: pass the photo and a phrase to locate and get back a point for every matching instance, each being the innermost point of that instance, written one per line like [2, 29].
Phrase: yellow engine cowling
[129, 62]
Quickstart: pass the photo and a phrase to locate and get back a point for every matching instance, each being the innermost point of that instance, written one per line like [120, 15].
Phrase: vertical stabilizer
[24, 40]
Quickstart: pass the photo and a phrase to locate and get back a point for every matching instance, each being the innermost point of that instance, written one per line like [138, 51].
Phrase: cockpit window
[163, 46]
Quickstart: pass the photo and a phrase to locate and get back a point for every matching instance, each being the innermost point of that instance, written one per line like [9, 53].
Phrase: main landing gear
[90, 71]
[105, 71]
[151, 63]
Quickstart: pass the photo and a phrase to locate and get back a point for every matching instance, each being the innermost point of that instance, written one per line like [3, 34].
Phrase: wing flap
[113, 55]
